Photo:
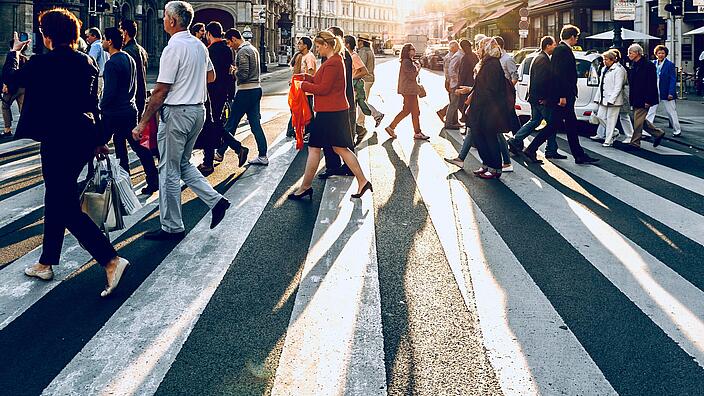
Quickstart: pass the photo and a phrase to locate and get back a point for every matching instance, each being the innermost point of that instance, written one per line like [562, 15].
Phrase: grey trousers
[451, 119]
[178, 130]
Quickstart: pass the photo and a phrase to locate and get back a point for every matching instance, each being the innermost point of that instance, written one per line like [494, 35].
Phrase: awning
[499, 13]
[479, 20]
[457, 28]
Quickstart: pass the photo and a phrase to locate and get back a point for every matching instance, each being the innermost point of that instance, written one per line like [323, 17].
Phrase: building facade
[547, 17]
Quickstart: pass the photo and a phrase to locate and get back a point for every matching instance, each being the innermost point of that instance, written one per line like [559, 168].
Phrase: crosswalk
[557, 279]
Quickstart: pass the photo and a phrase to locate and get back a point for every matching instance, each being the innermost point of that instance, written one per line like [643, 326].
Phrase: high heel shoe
[366, 187]
[298, 197]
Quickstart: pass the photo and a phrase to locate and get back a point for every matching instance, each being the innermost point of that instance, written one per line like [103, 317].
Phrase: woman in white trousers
[610, 95]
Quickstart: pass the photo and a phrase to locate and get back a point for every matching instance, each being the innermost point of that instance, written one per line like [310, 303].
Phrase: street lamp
[353, 2]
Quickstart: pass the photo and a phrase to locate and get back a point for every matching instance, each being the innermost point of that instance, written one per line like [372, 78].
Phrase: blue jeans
[247, 102]
[537, 115]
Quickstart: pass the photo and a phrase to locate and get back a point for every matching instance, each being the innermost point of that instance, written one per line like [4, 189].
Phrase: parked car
[434, 56]
[588, 66]
[521, 54]
[393, 46]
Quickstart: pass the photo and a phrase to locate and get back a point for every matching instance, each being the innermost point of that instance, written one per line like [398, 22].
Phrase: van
[588, 66]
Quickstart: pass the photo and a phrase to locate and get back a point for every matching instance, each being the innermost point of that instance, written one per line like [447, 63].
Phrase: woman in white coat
[610, 95]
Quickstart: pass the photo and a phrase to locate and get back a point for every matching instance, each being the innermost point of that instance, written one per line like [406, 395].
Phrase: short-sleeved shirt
[308, 62]
[185, 64]
[357, 62]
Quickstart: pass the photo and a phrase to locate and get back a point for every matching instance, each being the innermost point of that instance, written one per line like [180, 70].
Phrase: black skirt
[330, 129]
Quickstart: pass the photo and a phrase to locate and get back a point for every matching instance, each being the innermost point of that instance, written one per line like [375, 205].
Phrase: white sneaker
[606, 144]
[218, 157]
[507, 168]
[260, 161]
[46, 275]
[676, 133]
[595, 137]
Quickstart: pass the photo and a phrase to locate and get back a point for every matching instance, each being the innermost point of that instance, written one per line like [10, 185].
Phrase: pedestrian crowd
[74, 99]
[487, 96]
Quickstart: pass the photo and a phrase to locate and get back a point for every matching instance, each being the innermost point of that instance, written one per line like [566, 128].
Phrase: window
[537, 33]
[601, 21]
[566, 18]
[551, 28]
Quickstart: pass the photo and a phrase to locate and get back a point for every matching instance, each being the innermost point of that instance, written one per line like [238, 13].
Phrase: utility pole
[353, 2]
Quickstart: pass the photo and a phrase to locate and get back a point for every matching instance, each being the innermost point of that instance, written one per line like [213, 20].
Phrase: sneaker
[260, 161]
[606, 144]
[377, 120]
[507, 168]
[46, 275]
[455, 161]
[597, 138]
[677, 133]
[218, 157]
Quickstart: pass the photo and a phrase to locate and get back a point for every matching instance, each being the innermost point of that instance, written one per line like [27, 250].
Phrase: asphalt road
[556, 279]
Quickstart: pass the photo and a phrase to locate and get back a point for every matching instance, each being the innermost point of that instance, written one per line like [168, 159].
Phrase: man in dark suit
[541, 97]
[643, 84]
[140, 57]
[565, 83]
[333, 162]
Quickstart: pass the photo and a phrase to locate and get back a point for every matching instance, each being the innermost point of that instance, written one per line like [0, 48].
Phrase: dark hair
[499, 41]
[196, 27]
[337, 31]
[307, 42]
[351, 41]
[569, 31]
[365, 43]
[95, 32]
[405, 51]
[215, 29]
[113, 34]
[466, 45]
[129, 26]
[545, 41]
[659, 48]
[61, 26]
[230, 33]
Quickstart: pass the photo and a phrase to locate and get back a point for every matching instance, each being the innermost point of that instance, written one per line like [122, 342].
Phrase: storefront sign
[623, 10]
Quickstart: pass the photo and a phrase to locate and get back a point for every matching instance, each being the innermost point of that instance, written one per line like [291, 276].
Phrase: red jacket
[328, 86]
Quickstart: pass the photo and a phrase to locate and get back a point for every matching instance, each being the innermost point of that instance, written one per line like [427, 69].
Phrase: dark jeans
[247, 102]
[216, 106]
[61, 166]
[332, 160]
[537, 115]
[410, 106]
[555, 117]
[120, 126]
[487, 145]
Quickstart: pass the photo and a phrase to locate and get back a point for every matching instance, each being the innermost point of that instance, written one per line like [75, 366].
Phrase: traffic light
[102, 6]
[675, 7]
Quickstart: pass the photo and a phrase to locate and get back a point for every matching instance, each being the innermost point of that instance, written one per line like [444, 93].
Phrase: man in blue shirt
[95, 40]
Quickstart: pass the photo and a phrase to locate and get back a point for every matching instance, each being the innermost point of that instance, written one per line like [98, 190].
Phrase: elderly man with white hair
[643, 94]
[180, 93]
[452, 62]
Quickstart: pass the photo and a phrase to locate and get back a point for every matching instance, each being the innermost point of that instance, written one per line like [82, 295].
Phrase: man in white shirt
[95, 40]
[180, 93]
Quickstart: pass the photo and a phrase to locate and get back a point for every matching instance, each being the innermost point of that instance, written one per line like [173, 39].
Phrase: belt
[183, 105]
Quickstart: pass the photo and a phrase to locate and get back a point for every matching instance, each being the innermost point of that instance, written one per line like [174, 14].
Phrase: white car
[588, 66]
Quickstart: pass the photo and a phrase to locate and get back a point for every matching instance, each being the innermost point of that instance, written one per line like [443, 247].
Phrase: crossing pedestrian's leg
[254, 116]
[651, 113]
[671, 110]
